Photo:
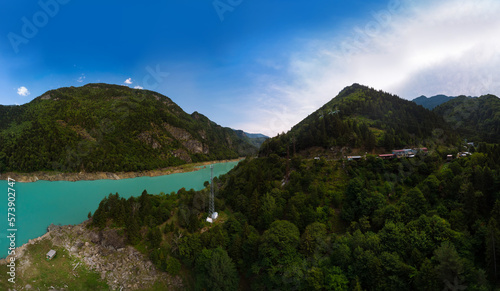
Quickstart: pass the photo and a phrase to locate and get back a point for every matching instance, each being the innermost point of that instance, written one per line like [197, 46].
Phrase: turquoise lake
[41, 203]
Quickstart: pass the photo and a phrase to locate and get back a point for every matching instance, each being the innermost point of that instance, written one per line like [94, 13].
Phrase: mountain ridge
[102, 127]
[364, 118]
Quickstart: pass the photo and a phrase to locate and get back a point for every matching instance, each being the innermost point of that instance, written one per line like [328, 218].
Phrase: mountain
[477, 119]
[431, 102]
[101, 127]
[364, 119]
[255, 139]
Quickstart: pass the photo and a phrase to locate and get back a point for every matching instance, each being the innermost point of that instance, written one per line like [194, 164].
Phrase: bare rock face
[183, 155]
[147, 137]
[192, 145]
[105, 251]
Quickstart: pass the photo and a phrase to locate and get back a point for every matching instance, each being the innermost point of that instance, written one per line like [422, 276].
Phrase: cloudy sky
[260, 66]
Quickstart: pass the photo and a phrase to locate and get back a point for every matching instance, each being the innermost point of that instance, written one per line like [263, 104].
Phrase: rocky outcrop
[192, 145]
[122, 266]
[147, 138]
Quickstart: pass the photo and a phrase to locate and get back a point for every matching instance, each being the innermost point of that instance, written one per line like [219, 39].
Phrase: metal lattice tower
[211, 206]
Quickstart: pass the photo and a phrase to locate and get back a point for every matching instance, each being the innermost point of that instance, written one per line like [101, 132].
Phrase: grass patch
[42, 274]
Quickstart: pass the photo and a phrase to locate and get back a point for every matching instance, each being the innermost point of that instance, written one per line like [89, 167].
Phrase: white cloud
[81, 79]
[128, 81]
[23, 91]
[450, 47]
[138, 87]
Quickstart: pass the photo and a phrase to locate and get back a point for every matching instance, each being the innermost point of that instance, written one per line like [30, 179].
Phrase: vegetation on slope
[363, 118]
[100, 127]
[477, 119]
[432, 102]
[254, 139]
[404, 224]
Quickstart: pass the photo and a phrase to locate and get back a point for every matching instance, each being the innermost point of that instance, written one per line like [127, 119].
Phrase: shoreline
[83, 176]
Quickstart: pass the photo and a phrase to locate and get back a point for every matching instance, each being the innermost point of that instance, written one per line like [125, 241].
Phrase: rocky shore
[72, 177]
[105, 251]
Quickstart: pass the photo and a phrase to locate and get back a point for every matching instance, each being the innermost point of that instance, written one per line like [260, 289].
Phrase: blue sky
[257, 65]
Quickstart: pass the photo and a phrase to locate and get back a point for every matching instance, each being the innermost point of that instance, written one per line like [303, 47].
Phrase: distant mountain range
[477, 119]
[432, 102]
[101, 127]
[255, 139]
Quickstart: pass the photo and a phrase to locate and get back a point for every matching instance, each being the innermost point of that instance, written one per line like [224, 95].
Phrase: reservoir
[41, 203]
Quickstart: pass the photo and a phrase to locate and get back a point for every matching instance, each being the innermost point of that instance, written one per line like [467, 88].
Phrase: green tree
[215, 270]
[451, 265]
[278, 251]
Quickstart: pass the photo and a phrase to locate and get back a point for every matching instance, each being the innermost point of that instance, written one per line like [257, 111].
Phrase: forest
[100, 127]
[305, 224]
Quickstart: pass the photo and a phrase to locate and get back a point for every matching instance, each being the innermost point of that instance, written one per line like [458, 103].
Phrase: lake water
[41, 203]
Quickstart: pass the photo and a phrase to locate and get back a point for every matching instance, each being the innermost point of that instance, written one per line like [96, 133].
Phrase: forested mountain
[364, 119]
[256, 139]
[432, 102]
[100, 127]
[477, 119]
[301, 223]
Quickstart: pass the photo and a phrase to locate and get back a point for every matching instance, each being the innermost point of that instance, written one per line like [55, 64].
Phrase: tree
[215, 270]
[313, 239]
[451, 266]
[278, 251]
[493, 247]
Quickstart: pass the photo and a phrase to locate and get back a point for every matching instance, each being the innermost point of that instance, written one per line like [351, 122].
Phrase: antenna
[211, 202]
[212, 215]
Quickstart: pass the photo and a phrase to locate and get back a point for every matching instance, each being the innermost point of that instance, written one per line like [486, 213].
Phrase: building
[449, 157]
[354, 158]
[387, 156]
[51, 254]
[403, 152]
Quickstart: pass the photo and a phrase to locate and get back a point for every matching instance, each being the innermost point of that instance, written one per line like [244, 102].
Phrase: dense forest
[288, 221]
[366, 120]
[305, 224]
[100, 127]
[477, 119]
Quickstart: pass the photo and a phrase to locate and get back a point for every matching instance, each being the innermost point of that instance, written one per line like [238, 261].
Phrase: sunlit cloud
[138, 87]
[128, 81]
[425, 48]
[81, 79]
[23, 91]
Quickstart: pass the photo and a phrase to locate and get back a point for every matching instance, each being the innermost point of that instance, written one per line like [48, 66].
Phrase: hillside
[477, 119]
[301, 223]
[432, 102]
[100, 127]
[364, 119]
[255, 139]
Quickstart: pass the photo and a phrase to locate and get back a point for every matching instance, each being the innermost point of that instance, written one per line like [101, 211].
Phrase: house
[387, 156]
[353, 158]
[425, 150]
[449, 157]
[51, 254]
[403, 152]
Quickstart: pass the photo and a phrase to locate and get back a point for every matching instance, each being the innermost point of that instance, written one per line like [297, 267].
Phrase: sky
[261, 66]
